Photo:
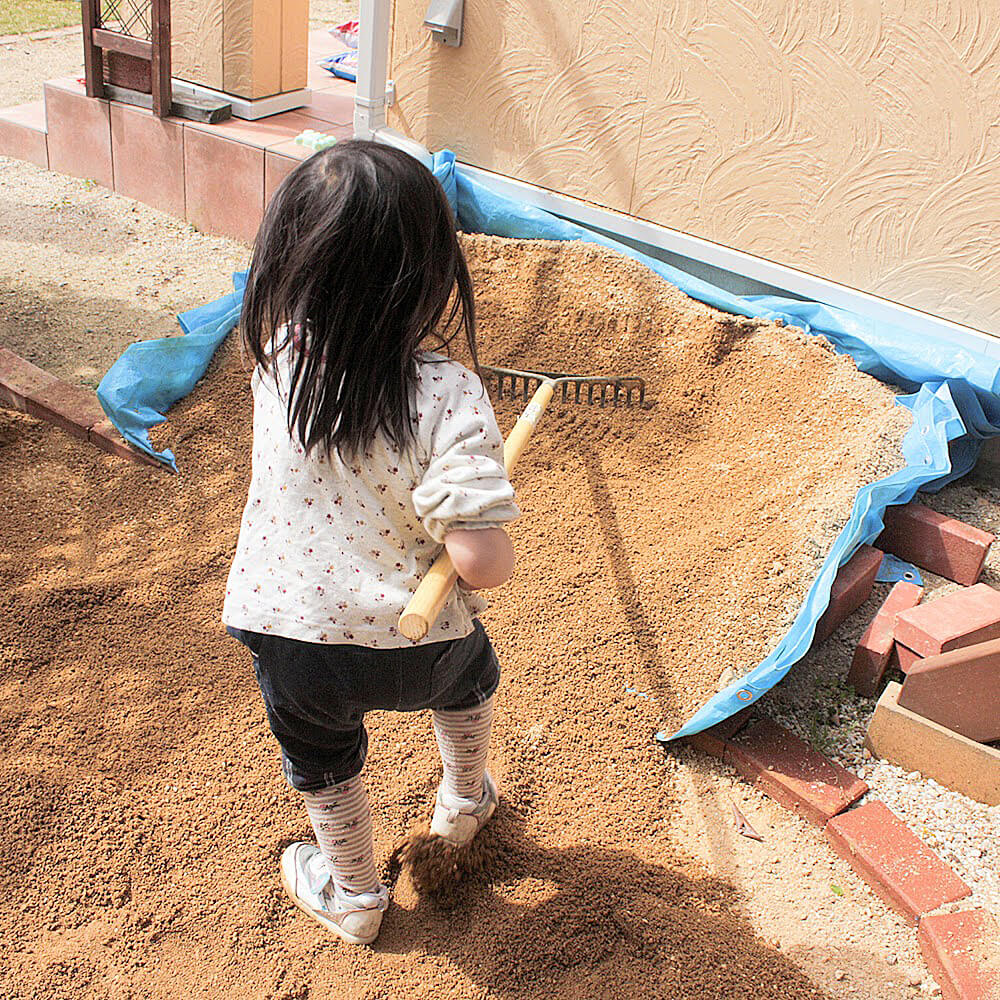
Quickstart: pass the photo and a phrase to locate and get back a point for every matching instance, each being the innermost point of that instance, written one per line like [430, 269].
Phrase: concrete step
[23, 133]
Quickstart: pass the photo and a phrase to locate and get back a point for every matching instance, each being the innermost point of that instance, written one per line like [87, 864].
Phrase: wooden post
[93, 59]
[160, 67]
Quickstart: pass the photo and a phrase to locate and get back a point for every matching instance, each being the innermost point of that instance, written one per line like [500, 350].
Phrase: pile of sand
[671, 545]
[143, 810]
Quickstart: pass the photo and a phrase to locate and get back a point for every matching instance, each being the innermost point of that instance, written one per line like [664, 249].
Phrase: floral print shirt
[331, 551]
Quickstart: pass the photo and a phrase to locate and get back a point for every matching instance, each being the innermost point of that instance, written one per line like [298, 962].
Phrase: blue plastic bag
[152, 375]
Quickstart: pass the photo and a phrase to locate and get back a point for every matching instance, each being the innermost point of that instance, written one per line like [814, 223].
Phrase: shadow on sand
[524, 919]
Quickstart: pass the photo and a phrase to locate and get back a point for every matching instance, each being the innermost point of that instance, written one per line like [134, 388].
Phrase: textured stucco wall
[854, 139]
[251, 48]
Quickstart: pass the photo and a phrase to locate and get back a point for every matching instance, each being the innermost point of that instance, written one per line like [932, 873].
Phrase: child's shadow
[583, 921]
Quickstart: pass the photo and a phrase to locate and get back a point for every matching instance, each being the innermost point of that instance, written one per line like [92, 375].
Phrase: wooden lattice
[126, 43]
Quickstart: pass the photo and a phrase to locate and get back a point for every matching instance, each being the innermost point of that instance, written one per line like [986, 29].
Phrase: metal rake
[619, 390]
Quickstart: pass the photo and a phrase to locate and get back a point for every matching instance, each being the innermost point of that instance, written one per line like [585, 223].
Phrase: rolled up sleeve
[465, 485]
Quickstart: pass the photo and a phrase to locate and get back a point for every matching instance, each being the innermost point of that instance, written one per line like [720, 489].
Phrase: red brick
[902, 658]
[713, 740]
[936, 542]
[959, 690]
[962, 951]
[900, 868]
[20, 378]
[962, 618]
[852, 587]
[871, 658]
[70, 407]
[106, 437]
[792, 773]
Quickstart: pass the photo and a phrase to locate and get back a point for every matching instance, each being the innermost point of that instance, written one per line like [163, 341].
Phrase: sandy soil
[84, 273]
[327, 12]
[144, 812]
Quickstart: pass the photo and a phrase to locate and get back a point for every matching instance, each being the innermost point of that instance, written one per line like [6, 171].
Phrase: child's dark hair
[356, 260]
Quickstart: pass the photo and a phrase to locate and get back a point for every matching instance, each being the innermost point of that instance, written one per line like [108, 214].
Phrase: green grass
[18, 17]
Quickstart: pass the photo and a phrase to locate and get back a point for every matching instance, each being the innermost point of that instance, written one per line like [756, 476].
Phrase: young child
[368, 452]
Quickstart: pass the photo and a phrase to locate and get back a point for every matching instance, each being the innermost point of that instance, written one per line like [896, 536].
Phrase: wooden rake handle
[429, 597]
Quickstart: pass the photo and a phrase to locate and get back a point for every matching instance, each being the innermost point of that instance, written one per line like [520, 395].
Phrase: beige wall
[250, 48]
[858, 140]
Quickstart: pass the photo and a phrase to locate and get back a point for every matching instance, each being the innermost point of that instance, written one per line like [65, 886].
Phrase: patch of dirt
[26, 63]
[84, 273]
[144, 811]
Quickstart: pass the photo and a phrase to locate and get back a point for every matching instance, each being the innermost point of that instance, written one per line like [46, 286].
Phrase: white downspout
[369, 98]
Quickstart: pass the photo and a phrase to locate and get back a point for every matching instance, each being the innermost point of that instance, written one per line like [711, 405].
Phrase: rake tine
[622, 389]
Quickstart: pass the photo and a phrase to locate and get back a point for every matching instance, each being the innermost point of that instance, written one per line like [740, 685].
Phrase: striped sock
[463, 738]
[342, 822]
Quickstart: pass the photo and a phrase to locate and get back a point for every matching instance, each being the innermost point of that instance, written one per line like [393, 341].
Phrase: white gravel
[964, 833]
[816, 702]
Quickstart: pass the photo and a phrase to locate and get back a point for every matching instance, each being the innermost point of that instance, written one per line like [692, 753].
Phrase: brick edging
[906, 874]
[32, 390]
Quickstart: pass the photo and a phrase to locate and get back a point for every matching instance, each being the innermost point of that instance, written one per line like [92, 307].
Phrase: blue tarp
[954, 394]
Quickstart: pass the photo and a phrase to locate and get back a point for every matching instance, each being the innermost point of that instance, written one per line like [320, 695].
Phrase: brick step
[24, 134]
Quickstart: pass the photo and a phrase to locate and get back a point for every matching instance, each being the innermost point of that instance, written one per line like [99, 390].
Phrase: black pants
[316, 694]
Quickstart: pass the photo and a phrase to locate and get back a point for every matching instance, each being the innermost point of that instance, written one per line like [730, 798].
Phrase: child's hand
[482, 557]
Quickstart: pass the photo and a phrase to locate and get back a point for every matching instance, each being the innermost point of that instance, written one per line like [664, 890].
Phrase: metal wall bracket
[444, 19]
